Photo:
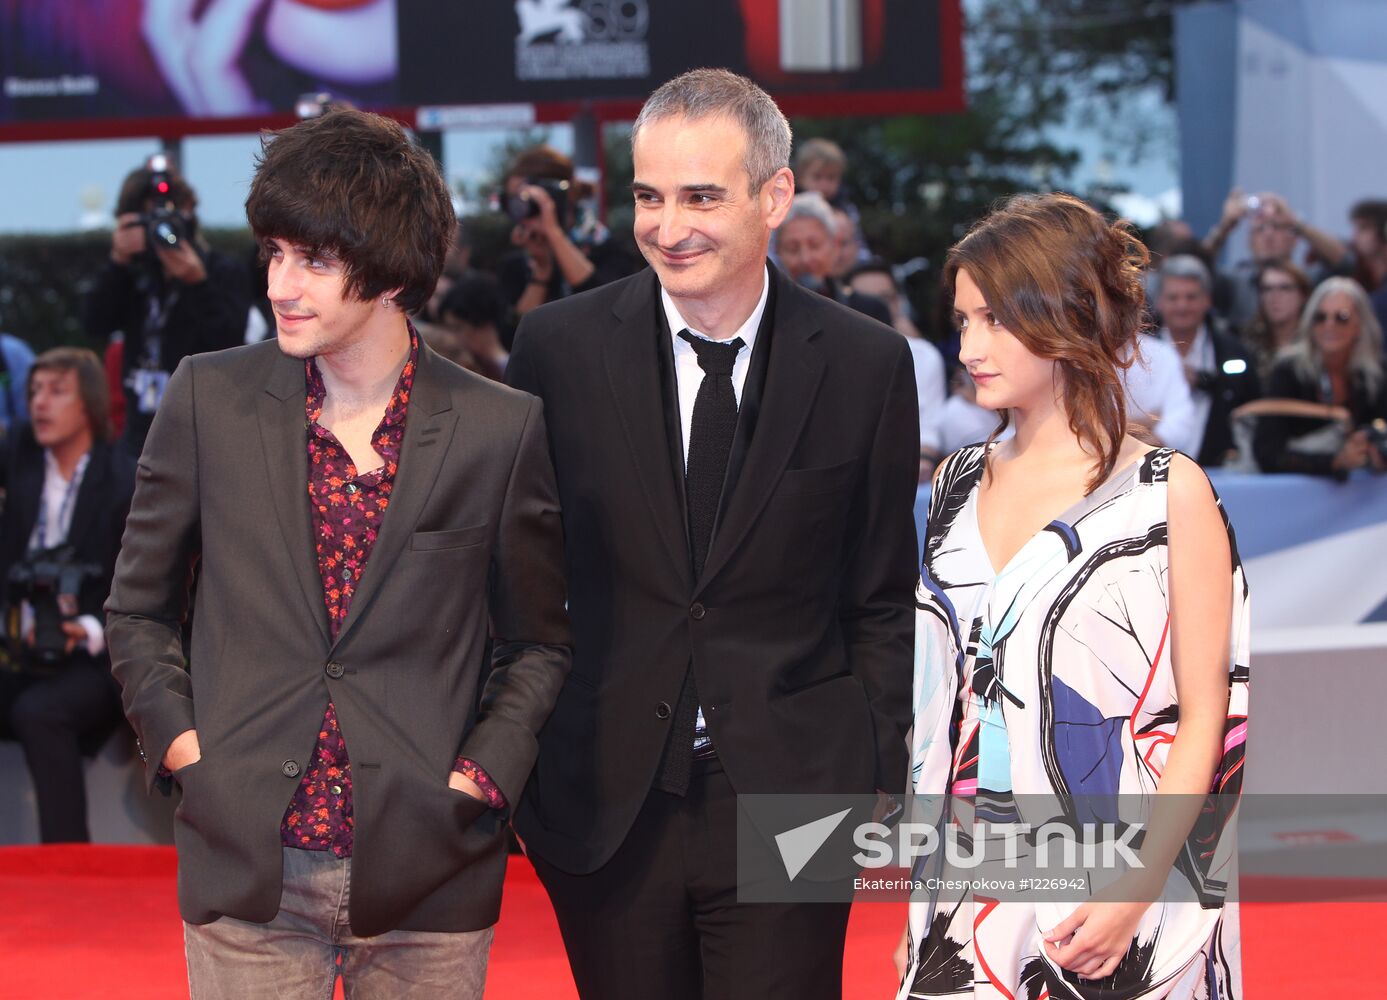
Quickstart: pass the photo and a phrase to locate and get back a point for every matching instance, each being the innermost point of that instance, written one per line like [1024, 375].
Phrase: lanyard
[39, 539]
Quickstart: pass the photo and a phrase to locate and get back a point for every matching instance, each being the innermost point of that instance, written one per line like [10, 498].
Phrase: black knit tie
[710, 440]
[710, 443]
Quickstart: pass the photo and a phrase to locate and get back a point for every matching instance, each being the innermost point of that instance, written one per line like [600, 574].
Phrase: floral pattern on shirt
[348, 507]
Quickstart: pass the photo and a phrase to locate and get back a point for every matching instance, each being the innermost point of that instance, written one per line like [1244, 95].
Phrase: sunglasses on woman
[1341, 317]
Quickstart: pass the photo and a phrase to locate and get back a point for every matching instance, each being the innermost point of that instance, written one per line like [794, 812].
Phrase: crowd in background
[1272, 362]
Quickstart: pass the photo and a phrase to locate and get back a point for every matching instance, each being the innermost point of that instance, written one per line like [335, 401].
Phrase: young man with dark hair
[68, 494]
[362, 510]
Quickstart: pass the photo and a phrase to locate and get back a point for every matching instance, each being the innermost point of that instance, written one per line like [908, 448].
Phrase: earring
[387, 301]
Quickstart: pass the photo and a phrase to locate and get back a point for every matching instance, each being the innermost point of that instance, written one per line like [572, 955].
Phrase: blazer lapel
[794, 370]
[429, 426]
[284, 442]
[633, 360]
[88, 495]
[26, 493]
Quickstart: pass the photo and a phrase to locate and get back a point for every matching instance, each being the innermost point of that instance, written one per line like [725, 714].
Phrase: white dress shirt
[59, 500]
[688, 376]
[1156, 384]
[1201, 359]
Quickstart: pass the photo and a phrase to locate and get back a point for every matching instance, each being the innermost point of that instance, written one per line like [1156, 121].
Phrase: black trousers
[56, 718]
[661, 918]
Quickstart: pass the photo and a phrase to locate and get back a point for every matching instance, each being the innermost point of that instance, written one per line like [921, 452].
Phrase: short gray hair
[1185, 265]
[811, 205]
[706, 93]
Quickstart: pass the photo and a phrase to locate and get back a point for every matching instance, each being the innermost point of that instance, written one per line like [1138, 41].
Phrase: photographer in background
[164, 289]
[1274, 231]
[560, 253]
[69, 492]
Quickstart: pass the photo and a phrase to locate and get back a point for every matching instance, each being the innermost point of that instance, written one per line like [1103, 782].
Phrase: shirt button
[353, 489]
[336, 789]
[290, 769]
[698, 611]
[662, 710]
[335, 670]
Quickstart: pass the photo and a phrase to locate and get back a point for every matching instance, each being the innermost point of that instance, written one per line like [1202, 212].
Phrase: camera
[520, 208]
[47, 579]
[165, 226]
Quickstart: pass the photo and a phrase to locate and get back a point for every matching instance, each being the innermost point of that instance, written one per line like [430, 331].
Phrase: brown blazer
[472, 537]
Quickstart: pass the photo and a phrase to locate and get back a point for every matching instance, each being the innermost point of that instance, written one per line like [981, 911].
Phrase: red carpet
[101, 922]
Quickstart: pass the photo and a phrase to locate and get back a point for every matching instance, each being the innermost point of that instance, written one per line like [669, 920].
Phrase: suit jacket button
[290, 769]
[335, 670]
[662, 710]
[698, 611]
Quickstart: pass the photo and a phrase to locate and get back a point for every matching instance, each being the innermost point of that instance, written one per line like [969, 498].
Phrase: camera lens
[166, 233]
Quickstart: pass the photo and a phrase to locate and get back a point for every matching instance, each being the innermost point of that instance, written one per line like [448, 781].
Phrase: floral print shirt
[348, 507]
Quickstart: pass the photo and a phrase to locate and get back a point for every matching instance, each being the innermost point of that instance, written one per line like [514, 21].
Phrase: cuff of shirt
[96, 635]
[490, 791]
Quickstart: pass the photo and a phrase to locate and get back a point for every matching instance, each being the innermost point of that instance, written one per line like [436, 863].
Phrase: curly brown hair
[1066, 283]
[353, 184]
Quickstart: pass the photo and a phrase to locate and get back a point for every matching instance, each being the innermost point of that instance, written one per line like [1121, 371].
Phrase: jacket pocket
[804, 482]
[451, 538]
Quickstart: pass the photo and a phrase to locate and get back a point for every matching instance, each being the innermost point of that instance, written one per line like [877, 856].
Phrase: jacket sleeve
[149, 594]
[877, 598]
[532, 648]
[211, 315]
[109, 304]
[1272, 435]
[103, 543]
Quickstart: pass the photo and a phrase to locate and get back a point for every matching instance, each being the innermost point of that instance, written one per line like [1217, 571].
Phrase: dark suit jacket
[1227, 391]
[98, 514]
[799, 630]
[224, 476]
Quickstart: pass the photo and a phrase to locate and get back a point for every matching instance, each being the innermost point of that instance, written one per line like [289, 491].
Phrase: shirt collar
[1199, 347]
[747, 331]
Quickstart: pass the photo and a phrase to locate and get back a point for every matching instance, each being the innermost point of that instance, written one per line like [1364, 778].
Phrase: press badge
[149, 386]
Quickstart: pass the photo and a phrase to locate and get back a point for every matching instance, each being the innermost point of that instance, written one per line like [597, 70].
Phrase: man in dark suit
[65, 506]
[1222, 370]
[737, 465]
[362, 510]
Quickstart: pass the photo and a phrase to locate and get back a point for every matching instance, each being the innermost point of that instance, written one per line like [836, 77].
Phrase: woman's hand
[1354, 453]
[1093, 939]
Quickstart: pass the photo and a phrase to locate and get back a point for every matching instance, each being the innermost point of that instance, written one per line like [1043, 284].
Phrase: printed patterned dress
[1051, 681]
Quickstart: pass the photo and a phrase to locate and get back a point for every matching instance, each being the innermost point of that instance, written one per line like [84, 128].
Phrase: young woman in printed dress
[1081, 634]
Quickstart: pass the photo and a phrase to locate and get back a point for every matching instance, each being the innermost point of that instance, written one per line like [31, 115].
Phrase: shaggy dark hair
[1373, 211]
[353, 185]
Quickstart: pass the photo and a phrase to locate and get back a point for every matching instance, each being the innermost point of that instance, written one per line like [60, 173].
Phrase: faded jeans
[300, 953]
